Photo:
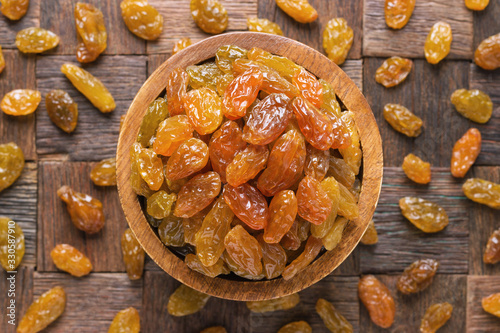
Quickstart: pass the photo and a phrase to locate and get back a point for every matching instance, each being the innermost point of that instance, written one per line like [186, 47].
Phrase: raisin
[20, 102]
[192, 224]
[263, 25]
[2, 60]
[483, 192]
[133, 255]
[149, 165]
[282, 214]
[492, 251]
[246, 165]
[337, 40]
[314, 125]
[209, 239]
[300, 10]
[126, 320]
[487, 55]
[62, 110]
[309, 87]
[398, 12]
[12, 245]
[311, 251]
[465, 151]
[393, 71]
[205, 75]
[435, 316]
[104, 172]
[156, 113]
[317, 163]
[248, 204]
[313, 202]
[177, 83]
[226, 55]
[241, 93]
[197, 193]
[351, 152]
[416, 169]
[333, 319]
[417, 276]
[403, 120]
[240, 270]
[476, 4]
[267, 120]
[285, 164]
[11, 164]
[291, 240]
[209, 15]
[330, 104]
[284, 66]
[296, 327]
[185, 301]
[491, 304]
[334, 235]
[171, 231]
[191, 156]
[223, 82]
[171, 134]
[348, 206]
[244, 250]
[339, 169]
[370, 236]
[14, 9]
[90, 86]
[273, 258]
[91, 31]
[214, 329]
[181, 44]
[377, 299]
[425, 215]
[282, 303]
[332, 189]
[142, 19]
[85, 211]
[36, 40]
[193, 262]
[43, 311]
[438, 42]
[70, 260]
[203, 108]
[473, 104]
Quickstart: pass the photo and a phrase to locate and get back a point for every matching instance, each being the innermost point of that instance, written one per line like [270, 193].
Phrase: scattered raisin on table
[482, 191]
[14, 9]
[36, 40]
[282, 303]
[20, 102]
[185, 301]
[487, 55]
[416, 169]
[11, 164]
[332, 318]
[263, 25]
[370, 236]
[296, 327]
[70, 260]
[417, 276]
[127, 320]
[2, 60]
[438, 42]
[398, 12]
[393, 71]
[209, 15]
[378, 300]
[473, 104]
[43, 311]
[62, 110]
[104, 172]
[337, 40]
[491, 304]
[181, 44]
[435, 316]
[403, 120]
[91, 32]
[142, 19]
[492, 250]
[300, 10]
[423, 214]
[476, 4]
[465, 152]
[214, 329]
[11, 240]
[133, 255]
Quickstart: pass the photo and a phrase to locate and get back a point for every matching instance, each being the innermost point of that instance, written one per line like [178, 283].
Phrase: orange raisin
[191, 156]
[248, 204]
[378, 300]
[246, 164]
[133, 255]
[393, 71]
[465, 151]
[417, 276]
[416, 169]
[197, 193]
[398, 12]
[70, 260]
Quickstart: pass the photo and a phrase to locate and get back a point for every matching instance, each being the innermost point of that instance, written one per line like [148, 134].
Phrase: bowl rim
[371, 145]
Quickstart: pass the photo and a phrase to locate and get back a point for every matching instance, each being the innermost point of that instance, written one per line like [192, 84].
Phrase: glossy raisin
[246, 165]
[273, 258]
[177, 83]
[417, 276]
[149, 165]
[12, 244]
[282, 214]
[435, 316]
[465, 152]
[309, 87]
[317, 163]
[248, 204]
[473, 104]
[282, 303]
[311, 251]
[204, 75]
[339, 169]
[487, 55]
[91, 31]
[142, 19]
[393, 71]
[492, 250]
[171, 231]
[43, 311]
[62, 110]
[483, 192]
[491, 304]
[191, 156]
[332, 318]
[398, 12]
[296, 327]
[476, 4]
[203, 108]
[36, 40]
[370, 236]
[291, 240]
[314, 205]
[133, 255]
[70, 260]
[185, 301]
[127, 320]
[226, 55]
[263, 25]
[14, 9]
[425, 215]
[241, 93]
[284, 66]
[104, 172]
[403, 120]
[181, 44]
[337, 40]
[351, 153]
[416, 169]
[20, 102]
[378, 300]
[209, 15]
[11, 164]
[193, 262]
[314, 125]
[197, 193]
[171, 134]
[332, 189]
[438, 42]
[348, 206]
[240, 270]
[300, 10]
[334, 235]
[156, 113]
[244, 250]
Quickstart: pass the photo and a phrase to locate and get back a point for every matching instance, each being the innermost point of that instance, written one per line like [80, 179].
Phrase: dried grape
[333, 319]
[282, 303]
[370, 236]
[70, 260]
[226, 55]
[156, 113]
[263, 25]
[438, 42]
[403, 120]
[473, 104]
[337, 40]
[197, 193]
[273, 258]
[62, 110]
[36, 40]
[300, 10]
[244, 250]
[417, 276]
[487, 55]
[203, 108]
[296, 327]
[209, 15]
[311, 251]
[185, 301]
[43, 311]
[317, 163]
[483, 192]
[465, 151]
[177, 83]
[491, 304]
[181, 44]
[348, 206]
[171, 134]
[425, 215]
[334, 235]
[91, 32]
[126, 320]
[205, 75]
[314, 204]
[416, 169]
[284, 66]
[142, 19]
[193, 262]
[352, 153]
[393, 71]
[133, 255]
[246, 165]
[2, 60]
[171, 231]
[104, 172]
[149, 165]
[12, 244]
[241, 93]
[282, 214]
[191, 156]
[339, 169]
[309, 87]
[332, 189]
[435, 316]
[248, 204]
[378, 300]
[476, 4]
[14, 9]
[314, 125]
[398, 12]
[492, 250]
[20, 102]
[11, 164]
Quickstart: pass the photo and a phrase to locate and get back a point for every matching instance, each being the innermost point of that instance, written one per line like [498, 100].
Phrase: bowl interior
[371, 178]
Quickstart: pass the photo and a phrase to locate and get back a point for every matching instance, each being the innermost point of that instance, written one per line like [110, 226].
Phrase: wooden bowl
[371, 180]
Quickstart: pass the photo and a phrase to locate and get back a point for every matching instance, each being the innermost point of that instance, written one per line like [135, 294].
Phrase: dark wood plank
[426, 92]
[486, 22]
[489, 82]
[381, 41]
[410, 309]
[54, 222]
[342, 292]
[234, 316]
[22, 295]
[312, 33]
[19, 73]
[91, 302]
[179, 23]
[484, 220]
[351, 266]
[9, 29]
[478, 287]
[155, 60]
[354, 68]
[400, 243]
[96, 134]
[19, 203]
[58, 16]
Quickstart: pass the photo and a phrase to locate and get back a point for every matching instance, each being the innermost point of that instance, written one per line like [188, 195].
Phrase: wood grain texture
[354, 69]
[400, 243]
[120, 39]
[486, 22]
[179, 22]
[426, 92]
[23, 290]
[410, 309]
[54, 222]
[234, 316]
[92, 301]
[9, 29]
[488, 82]
[372, 172]
[484, 220]
[19, 202]
[96, 134]
[19, 73]
[381, 41]
[155, 60]
[342, 292]
[478, 287]
[312, 33]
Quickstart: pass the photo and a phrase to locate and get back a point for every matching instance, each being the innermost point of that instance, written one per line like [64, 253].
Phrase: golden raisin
[398, 12]
[62, 110]
[14, 9]
[197, 193]
[226, 55]
[492, 250]
[12, 245]
[181, 44]
[483, 192]
[104, 172]
[209, 15]
[435, 316]
[417, 276]
[300, 10]
[333, 319]
[334, 235]
[263, 25]
[438, 42]
[36, 40]
[416, 169]
[246, 165]
[296, 327]
[282, 303]
[156, 113]
[282, 214]
[142, 19]
[43, 311]
[314, 204]
[473, 104]
[204, 109]
[378, 300]
[248, 204]
[204, 75]
[91, 32]
[241, 93]
[337, 40]
[171, 231]
[193, 262]
[491, 304]
[403, 120]
[425, 215]
[70, 260]
[311, 251]
[185, 301]
[465, 151]
[476, 4]
[11, 164]
[149, 165]
[191, 156]
[171, 134]
[393, 71]
[126, 320]
[370, 236]
[244, 250]
[20, 102]
[133, 255]
[487, 55]
[273, 258]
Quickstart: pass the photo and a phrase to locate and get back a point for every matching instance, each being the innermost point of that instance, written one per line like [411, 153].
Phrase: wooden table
[55, 158]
